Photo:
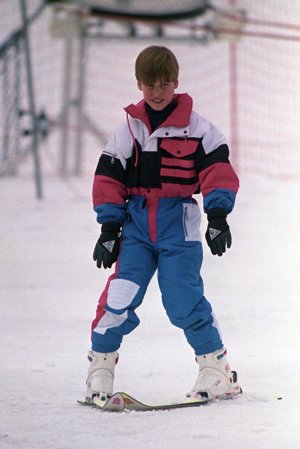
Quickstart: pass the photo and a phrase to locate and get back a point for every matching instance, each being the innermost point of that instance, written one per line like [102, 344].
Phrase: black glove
[218, 234]
[107, 248]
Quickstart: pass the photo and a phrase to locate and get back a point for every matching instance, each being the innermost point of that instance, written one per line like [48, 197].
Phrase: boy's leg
[116, 315]
[123, 293]
[187, 308]
[183, 297]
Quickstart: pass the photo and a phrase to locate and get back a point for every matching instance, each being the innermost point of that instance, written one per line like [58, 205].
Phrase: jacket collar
[179, 117]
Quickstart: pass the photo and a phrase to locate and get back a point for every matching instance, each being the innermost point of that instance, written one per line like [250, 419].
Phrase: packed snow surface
[49, 288]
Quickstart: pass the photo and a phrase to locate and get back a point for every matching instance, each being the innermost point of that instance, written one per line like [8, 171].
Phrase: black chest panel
[144, 168]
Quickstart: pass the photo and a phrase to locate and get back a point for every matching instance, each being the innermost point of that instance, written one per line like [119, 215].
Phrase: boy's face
[159, 94]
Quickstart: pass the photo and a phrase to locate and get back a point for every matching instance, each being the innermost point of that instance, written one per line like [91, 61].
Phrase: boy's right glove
[108, 245]
[218, 234]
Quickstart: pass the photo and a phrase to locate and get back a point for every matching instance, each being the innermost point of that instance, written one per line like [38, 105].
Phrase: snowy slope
[49, 288]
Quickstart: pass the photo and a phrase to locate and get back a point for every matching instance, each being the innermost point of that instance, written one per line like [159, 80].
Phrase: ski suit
[145, 181]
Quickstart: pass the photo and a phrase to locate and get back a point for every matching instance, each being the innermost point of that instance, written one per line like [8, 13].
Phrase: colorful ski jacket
[185, 155]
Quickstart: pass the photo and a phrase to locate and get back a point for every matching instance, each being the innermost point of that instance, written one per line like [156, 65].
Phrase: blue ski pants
[176, 256]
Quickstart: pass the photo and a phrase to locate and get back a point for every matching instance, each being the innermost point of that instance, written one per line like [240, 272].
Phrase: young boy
[157, 159]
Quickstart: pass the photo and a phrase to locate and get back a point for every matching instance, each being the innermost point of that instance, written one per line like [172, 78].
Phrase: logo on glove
[213, 233]
[109, 245]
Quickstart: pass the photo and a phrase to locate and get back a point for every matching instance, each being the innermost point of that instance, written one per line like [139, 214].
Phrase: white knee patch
[121, 293]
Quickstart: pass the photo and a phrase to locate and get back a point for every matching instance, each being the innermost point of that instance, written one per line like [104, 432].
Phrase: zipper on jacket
[112, 156]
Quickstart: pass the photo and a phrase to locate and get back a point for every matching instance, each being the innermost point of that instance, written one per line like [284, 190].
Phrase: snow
[49, 289]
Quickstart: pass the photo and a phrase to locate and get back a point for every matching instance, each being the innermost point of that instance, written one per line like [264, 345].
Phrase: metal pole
[17, 103]
[233, 86]
[35, 125]
[79, 103]
[5, 95]
[66, 107]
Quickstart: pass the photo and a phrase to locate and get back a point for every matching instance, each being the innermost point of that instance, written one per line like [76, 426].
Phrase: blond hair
[156, 63]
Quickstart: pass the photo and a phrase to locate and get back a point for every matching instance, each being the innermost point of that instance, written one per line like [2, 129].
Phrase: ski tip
[83, 402]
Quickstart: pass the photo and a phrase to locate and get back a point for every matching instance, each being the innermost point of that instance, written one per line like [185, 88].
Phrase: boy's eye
[162, 85]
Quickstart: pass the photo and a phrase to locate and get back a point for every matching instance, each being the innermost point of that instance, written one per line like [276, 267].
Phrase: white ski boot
[215, 379]
[101, 374]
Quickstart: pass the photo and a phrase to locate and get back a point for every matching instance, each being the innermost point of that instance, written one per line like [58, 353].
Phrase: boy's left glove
[218, 234]
[108, 245]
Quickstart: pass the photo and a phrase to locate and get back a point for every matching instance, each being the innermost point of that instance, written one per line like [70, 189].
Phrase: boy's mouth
[157, 101]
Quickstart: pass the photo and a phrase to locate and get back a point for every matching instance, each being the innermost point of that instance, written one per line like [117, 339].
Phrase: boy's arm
[218, 180]
[109, 199]
[109, 192]
[109, 187]
[219, 186]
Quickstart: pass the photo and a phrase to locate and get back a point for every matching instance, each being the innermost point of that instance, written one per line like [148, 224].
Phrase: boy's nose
[157, 90]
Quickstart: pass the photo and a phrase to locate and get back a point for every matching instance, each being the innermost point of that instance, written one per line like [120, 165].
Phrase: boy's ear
[139, 85]
[176, 84]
